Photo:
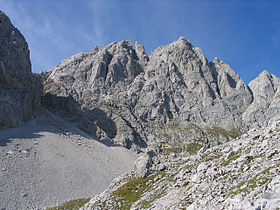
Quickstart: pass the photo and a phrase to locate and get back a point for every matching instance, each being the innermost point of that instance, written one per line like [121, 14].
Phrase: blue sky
[245, 34]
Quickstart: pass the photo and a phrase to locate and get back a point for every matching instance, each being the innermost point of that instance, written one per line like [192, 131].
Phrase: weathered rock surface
[241, 174]
[174, 102]
[136, 94]
[19, 88]
[147, 164]
[265, 106]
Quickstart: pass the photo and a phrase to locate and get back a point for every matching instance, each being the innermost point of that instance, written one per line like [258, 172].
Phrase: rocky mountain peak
[263, 108]
[265, 80]
[140, 51]
[19, 88]
[13, 46]
[120, 86]
[176, 83]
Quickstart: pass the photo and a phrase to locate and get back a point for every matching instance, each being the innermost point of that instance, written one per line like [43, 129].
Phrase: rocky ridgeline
[120, 94]
[19, 88]
[185, 111]
[241, 174]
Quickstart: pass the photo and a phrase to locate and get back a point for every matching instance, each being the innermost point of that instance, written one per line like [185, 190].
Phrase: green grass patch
[256, 137]
[145, 204]
[272, 155]
[132, 191]
[172, 149]
[211, 156]
[259, 180]
[193, 126]
[217, 131]
[192, 148]
[71, 205]
[231, 158]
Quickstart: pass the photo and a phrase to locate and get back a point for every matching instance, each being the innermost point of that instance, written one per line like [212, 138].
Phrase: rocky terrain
[47, 161]
[133, 99]
[20, 90]
[207, 139]
[241, 174]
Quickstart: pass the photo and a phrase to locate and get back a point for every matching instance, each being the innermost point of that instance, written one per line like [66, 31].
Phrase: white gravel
[46, 162]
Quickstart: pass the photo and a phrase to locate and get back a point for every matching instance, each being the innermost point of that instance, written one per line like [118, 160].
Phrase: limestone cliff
[19, 88]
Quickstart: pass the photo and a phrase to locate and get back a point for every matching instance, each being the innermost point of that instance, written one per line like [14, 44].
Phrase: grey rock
[221, 177]
[265, 106]
[147, 164]
[139, 94]
[19, 89]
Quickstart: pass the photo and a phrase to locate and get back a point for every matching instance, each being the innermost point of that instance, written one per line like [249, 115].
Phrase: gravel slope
[46, 161]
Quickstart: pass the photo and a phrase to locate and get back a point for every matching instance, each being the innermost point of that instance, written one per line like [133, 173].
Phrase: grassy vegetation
[132, 191]
[163, 135]
[71, 205]
[231, 158]
[211, 156]
[145, 204]
[272, 155]
[217, 131]
[245, 187]
[191, 148]
[193, 126]
[172, 149]
[256, 137]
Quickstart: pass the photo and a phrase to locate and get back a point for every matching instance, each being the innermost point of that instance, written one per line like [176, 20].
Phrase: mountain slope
[47, 161]
[241, 174]
[139, 94]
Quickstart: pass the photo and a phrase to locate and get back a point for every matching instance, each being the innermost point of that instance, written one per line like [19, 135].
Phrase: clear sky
[245, 34]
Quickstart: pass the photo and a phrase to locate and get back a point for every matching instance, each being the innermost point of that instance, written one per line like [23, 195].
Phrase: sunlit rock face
[265, 106]
[126, 93]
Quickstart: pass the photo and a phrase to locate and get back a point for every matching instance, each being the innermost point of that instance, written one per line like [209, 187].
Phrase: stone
[265, 106]
[148, 164]
[175, 84]
[20, 90]
[208, 180]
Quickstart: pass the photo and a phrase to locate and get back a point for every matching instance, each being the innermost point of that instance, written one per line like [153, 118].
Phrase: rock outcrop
[265, 106]
[19, 88]
[241, 174]
[174, 85]
[185, 110]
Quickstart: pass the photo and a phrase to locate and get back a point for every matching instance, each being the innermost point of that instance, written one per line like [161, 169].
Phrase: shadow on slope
[95, 122]
[63, 116]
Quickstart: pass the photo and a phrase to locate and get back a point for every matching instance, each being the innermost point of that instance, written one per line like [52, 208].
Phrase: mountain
[241, 174]
[206, 138]
[265, 106]
[124, 96]
[186, 115]
[20, 90]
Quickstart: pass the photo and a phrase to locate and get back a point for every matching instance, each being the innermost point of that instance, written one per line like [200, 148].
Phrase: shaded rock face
[175, 84]
[19, 88]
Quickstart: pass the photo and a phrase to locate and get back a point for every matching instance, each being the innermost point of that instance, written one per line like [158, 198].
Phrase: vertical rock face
[181, 85]
[99, 80]
[19, 89]
[265, 106]
[122, 88]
